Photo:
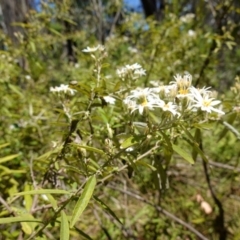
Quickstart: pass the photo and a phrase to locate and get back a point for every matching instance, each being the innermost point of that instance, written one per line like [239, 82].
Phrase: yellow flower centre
[183, 91]
[206, 103]
[144, 101]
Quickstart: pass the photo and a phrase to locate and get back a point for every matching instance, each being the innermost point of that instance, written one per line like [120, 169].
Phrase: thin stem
[161, 210]
[219, 221]
[134, 161]
[64, 204]
[5, 204]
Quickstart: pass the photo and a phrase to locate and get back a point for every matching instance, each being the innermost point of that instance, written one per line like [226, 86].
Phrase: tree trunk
[14, 11]
[153, 8]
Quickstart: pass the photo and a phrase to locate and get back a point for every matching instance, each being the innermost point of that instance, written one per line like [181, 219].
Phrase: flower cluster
[133, 71]
[187, 18]
[94, 49]
[147, 98]
[175, 98]
[62, 88]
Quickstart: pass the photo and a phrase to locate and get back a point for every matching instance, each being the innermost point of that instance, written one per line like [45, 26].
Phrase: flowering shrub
[91, 145]
[100, 143]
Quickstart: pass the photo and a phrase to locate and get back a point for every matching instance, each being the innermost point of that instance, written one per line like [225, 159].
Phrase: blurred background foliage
[42, 47]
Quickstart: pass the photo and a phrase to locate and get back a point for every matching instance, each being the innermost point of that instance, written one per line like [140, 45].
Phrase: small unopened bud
[110, 131]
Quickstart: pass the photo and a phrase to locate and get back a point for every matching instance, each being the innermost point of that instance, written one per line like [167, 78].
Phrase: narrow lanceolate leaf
[28, 227]
[128, 142]
[197, 138]
[4, 145]
[43, 191]
[146, 165]
[182, 153]
[83, 200]
[18, 219]
[64, 232]
[90, 149]
[8, 158]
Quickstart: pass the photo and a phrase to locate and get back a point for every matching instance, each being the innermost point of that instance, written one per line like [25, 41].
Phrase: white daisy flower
[135, 66]
[204, 102]
[109, 99]
[184, 81]
[133, 71]
[204, 90]
[122, 72]
[170, 107]
[187, 17]
[93, 49]
[191, 33]
[183, 84]
[141, 99]
[140, 72]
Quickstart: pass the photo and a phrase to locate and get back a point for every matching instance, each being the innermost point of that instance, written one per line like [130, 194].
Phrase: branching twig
[117, 15]
[225, 166]
[125, 166]
[218, 19]
[56, 214]
[161, 210]
[125, 231]
[4, 203]
[220, 218]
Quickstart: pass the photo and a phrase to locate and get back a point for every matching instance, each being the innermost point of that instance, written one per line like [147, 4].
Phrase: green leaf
[117, 86]
[167, 140]
[160, 176]
[146, 165]
[204, 126]
[52, 200]
[64, 230]
[197, 137]
[55, 32]
[91, 149]
[128, 142]
[83, 200]
[4, 145]
[182, 153]
[8, 158]
[6, 171]
[27, 198]
[194, 144]
[28, 227]
[59, 124]
[43, 191]
[16, 90]
[105, 65]
[18, 219]
[49, 153]
[73, 169]
[83, 234]
[32, 45]
[198, 220]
